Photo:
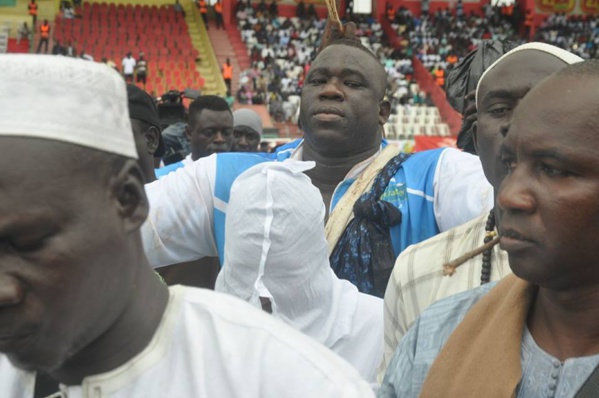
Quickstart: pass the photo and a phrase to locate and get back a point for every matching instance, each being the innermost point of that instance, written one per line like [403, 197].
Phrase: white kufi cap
[64, 99]
[557, 52]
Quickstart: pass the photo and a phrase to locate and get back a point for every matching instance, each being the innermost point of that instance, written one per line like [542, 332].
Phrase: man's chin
[218, 150]
[33, 361]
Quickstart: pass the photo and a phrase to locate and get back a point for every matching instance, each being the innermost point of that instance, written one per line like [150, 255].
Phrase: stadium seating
[111, 31]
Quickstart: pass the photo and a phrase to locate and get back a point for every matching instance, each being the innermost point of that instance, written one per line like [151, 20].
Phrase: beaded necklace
[485, 275]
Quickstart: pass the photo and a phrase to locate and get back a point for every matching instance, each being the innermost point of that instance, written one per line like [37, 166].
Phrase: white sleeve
[461, 189]
[179, 226]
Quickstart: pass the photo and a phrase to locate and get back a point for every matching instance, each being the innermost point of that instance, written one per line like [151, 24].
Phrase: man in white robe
[277, 253]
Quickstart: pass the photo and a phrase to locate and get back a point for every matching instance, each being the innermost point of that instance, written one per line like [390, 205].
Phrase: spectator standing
[32, 10]
[44, 36]
[129, 67]
[57, 49]
[68, 12]
[179, 8]
[141, 69]
[203, 7]
[273, 9]
[390, 11]
[229, 98]
[300, 11]
[528, 23]
[218, 14]
[227, 71]
[424, 7]
[70, 51]
[23, 33]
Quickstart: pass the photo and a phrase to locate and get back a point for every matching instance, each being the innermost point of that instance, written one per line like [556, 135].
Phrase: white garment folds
[210, 345]
[276, 248]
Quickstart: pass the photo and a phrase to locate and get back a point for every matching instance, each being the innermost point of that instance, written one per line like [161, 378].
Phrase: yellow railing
[211, 56]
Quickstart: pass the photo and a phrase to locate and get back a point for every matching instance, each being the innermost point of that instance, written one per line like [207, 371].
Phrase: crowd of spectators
[442, 38]
[281, 50]
[578, 34]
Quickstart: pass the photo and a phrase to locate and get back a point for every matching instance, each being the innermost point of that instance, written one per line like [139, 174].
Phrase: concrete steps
[223, 50]
[207, 65]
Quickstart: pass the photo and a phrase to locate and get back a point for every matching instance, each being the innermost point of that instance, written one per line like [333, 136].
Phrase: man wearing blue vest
[378, 201]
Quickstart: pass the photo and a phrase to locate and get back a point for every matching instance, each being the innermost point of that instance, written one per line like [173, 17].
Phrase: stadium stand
[112, 30]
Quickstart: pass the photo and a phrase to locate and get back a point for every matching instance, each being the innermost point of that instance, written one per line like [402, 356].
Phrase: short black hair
[351, 42]
[210, 102]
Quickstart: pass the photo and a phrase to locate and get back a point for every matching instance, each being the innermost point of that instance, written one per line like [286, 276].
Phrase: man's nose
[515, 194]
[11, 291]
[331, 90]
[219, 138]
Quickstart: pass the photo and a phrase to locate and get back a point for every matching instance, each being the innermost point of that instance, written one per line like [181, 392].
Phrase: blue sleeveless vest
[411, 191]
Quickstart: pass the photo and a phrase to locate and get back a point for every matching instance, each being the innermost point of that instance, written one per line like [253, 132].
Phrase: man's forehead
[209, 116]
[344, 54]
[563, 106]
[516, 74]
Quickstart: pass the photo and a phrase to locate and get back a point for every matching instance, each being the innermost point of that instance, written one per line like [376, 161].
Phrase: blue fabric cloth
[410, 190]
[364, 253]
[161, 172]
[542, 374]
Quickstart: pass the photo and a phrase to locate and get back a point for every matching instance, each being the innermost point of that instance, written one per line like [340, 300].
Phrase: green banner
[8, 3]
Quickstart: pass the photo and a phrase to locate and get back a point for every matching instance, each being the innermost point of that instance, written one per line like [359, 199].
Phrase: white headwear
[557, 52]
[276, 248]
[65, 99]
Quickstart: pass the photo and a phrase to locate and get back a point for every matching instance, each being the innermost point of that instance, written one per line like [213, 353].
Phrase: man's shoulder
[162, 171]
[247, 331]
[429, 256]
[437, 322]
[231, 314]
[425, 160]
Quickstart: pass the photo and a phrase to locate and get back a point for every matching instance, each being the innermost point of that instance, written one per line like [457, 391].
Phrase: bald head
[565, 103]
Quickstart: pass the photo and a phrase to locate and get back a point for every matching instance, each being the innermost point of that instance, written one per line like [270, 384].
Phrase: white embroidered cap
[64, 99]
[557, 52]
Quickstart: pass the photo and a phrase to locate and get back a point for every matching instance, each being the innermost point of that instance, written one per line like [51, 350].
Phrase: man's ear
[475, 136]
[188, 132]
[384, 111]
[152, 136]
[127, 190]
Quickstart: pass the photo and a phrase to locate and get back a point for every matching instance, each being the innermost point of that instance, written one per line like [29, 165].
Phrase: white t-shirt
[128, 65]
[211, 345]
